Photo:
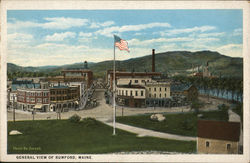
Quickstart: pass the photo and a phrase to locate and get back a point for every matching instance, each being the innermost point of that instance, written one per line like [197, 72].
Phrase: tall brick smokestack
[153, 60]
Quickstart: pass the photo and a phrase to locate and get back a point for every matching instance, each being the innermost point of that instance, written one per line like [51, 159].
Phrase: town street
[105, 111]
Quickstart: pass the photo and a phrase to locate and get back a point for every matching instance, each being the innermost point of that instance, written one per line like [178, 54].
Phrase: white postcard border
[45, 5]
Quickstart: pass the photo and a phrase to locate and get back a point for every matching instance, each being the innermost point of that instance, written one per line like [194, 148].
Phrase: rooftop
[218, 130]
[133, 74]
[130, 86]
[60, 86]
[29, 86]
[180, 87]
[77, 70]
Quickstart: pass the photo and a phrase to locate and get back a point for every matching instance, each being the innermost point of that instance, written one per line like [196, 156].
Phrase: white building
[156, 89]
[131, 95]
[133, 81]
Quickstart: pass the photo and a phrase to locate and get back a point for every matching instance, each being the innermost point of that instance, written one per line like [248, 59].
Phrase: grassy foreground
[180, 124]
[62, 136]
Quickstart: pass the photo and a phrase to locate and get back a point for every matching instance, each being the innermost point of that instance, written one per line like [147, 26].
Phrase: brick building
[73, 75]
[62, 97]
[29, 99]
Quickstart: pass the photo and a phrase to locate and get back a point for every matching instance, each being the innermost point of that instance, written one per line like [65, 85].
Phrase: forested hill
[172, 63]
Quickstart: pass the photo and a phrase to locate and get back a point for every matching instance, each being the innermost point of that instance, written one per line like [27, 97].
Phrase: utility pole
[33, 114]
[14, 111]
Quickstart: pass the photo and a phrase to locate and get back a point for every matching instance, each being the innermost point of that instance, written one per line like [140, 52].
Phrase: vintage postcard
[126, 81]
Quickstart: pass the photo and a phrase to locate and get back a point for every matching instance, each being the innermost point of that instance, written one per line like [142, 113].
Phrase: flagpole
[114, 110]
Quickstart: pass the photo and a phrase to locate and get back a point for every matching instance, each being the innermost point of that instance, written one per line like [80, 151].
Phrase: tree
[196, 105]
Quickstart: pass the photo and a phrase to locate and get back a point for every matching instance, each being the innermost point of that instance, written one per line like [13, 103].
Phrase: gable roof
[178, 87]
[218, 130]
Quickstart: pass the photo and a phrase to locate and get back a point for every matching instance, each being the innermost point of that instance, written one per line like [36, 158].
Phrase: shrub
[196, 105]
[89, 121]
[75, 118]
[223, 107]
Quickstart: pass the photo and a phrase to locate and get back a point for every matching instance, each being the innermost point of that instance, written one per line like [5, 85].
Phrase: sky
[58, 37]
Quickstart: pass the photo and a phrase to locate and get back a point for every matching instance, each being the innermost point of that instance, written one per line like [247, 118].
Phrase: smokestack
[153, 60]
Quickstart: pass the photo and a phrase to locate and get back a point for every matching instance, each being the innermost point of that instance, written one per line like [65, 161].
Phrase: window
[122, 92]
[155, 95]
[141, 93]
[136, 93]
[45, 100]
[228, 146]
[126, 93]
[119, 92]
[149, 95]
[154, 89]
[39, 100]
[131, 93]
[136, 81]
[143, 81]
[160, 95]
[149, 89]
[32, 100]
[28, 99]
[207, 144]
[160, 88]
[165, 89]
[165, 95]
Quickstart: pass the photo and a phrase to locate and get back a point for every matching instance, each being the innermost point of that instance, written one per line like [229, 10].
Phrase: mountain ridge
[170, 62]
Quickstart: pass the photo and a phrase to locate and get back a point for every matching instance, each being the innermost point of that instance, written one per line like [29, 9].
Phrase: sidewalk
[145, 132]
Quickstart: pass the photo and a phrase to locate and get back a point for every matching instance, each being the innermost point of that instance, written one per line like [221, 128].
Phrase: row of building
[140, 89]
[69, 91]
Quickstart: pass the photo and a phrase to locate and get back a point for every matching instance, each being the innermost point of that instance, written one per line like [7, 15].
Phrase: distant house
[218, 137]
[190, 91]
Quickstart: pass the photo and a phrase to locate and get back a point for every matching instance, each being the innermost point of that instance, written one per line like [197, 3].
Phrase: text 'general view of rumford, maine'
[125, 82]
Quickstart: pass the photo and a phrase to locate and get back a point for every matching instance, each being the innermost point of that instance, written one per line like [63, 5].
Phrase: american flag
[120, 43]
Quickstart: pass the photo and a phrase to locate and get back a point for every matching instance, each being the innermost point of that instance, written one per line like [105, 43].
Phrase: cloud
[187, 30]
[136, 42]
[60, 36]
[59, 23]
[19, 38]
[22, 24]
[64, 23]
[219, 34]
[56, 54]
[119, 29]
[82, 34]
[233, 50]
[237, 32]
[51, 23]
[104, 24]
